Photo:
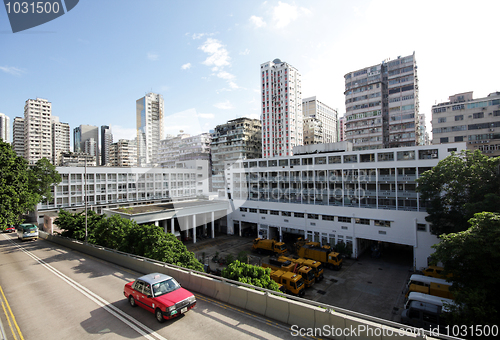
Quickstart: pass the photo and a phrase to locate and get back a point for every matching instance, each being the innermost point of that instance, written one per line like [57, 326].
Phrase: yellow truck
[312, 250]
[316, 266]
[429, 285]
[260, 245]
[436, 272]
[292, 283]
[306, 272]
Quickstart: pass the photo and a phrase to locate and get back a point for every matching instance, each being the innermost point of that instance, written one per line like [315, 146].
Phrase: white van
[430, 299]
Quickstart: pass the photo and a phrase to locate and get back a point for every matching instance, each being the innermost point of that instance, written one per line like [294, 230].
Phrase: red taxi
[160, 294]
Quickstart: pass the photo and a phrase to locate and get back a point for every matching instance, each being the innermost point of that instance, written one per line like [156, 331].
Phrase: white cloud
[196, 36]
[284, 13]
[245, 52]
[224, 105]
[206, 115]
[12, 70]
[153, 56]
[253, 116]
[225, 75]
[186, 66]
[257, 21]
[218, 55]
[233, 85]
[120, 132]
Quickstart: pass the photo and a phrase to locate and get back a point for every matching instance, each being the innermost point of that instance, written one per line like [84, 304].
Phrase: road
[51, 292]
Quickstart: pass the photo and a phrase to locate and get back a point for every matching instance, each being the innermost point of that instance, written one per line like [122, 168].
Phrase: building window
[344, 219]
[274, 212]
[299, 215]
[286, 213]
[459, 117]
[313, 216]
[252, 210]
[334, 159]
[478, 115]
[385, 156]
[362, 221]
[382, 232]
[406, 155]
[428, 154]
[442, 120]
[443, 140]
[421, 227]
[328, 218]
[320, 160]
[350, 158]
[263, 211]
[283, 162]
[459, 138]
[380, 223]
[243, 209]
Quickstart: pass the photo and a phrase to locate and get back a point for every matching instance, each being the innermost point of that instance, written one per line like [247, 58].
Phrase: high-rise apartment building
[18, 136]
[382, 105]
[86, 139]
[184, 147]
[342, 129]
[282, 118]
[5, 128]
[60, 138]
[422, 127]
[239, 138]
[313, 131]
[106, 141]
[37, 130]
[313, 108]
[149, 117]
[474, 121]
[123, 153]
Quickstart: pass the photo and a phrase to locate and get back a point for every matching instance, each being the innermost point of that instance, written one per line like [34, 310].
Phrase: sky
[204, 57]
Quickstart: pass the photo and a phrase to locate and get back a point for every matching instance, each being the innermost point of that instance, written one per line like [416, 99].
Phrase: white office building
[149, 117]
[60, 139]
[313, 108]
[5, 128]
[37, 130]
[18, 136]
[112, 187]
[282, 118]
[354, 197]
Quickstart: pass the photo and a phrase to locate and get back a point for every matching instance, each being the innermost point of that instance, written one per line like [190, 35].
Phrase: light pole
[85, 197]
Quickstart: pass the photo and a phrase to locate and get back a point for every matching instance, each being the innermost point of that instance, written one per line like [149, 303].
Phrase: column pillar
[194, 228]
[157, 223]
[172, 224]
[239, 224]
[213, 224]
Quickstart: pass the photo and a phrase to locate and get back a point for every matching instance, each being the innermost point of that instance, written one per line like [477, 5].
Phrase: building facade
[422, 127]
[281, 118]
[5, 128]
[123, 153]
[106, 141]
[112, 187]
[354, 197]
[80, 159]
[341, 129]
[237, 139]
[18, 136]
[86, 139]
[474, 121]
[60, 139]
[382, 105]
[313, 131]
[313, 108]
[37, 130]
[149, 118]
[184, 147]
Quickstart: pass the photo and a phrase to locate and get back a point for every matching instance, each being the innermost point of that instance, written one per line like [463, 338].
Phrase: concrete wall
[302, 315]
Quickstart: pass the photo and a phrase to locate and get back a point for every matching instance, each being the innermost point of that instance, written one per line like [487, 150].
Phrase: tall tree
[472, 257]
[22, 187]
[458, 187]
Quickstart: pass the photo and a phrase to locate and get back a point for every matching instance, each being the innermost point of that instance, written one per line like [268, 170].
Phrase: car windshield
[165, 287]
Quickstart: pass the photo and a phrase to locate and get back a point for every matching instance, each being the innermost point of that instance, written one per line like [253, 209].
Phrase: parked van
[27, 231]
[430, 299]
[423, 315]
[435, 271]
[429, 285]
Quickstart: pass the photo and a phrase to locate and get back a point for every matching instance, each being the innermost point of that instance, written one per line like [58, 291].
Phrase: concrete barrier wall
[295, 313]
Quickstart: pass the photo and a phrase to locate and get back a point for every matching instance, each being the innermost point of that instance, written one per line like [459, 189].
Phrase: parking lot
[371, 286]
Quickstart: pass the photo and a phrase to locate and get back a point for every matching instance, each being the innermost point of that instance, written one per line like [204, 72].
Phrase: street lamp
[85, 197]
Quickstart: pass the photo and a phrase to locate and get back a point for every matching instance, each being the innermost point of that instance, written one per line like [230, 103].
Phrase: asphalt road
[50, 292]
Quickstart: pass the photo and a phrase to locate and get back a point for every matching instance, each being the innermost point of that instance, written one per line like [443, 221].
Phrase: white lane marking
[116, 312]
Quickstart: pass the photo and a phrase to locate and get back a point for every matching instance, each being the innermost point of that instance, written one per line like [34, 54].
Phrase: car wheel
[131, 300]
[159, 315]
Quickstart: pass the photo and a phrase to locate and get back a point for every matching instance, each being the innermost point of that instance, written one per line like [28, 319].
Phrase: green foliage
[229, 259]
[472, 256]
[343, 249]
[459, 186]
[242, 256]
[22, 187]
[250, 274]
[127, 236]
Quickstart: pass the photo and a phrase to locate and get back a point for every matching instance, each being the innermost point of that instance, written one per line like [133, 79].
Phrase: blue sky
[94, 62]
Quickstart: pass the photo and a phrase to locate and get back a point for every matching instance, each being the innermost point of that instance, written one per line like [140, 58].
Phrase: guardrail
[300, 313]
